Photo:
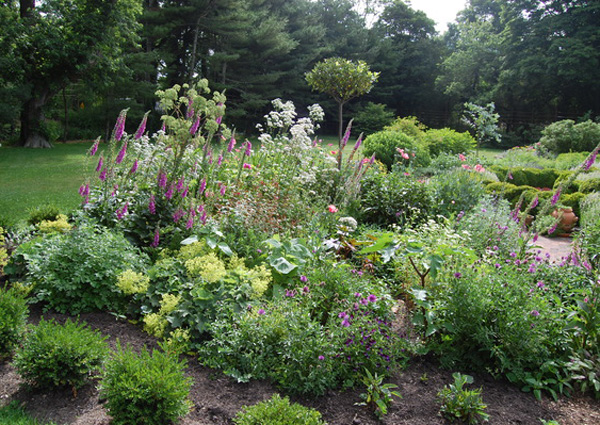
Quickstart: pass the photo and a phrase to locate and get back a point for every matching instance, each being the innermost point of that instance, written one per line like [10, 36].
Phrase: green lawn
[34, 177]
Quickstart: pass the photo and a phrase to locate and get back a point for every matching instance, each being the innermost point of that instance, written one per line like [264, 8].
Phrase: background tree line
[68, 66]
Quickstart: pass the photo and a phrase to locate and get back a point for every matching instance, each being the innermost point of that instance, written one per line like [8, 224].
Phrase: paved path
[558, 247]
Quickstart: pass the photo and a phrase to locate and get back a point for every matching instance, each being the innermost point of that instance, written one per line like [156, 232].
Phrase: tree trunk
[32, 116]
[340, 123]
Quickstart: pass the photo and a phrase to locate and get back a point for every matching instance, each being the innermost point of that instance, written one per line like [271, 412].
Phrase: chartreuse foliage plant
[13, 315]
[278, 411]
[145, 388]
[459, 403]
[54, 355]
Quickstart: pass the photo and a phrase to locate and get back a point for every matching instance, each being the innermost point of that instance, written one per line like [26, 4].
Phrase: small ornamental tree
[343, 80]
[484, 120]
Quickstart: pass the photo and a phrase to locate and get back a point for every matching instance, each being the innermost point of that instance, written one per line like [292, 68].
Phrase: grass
[36, 177]
[14, 415]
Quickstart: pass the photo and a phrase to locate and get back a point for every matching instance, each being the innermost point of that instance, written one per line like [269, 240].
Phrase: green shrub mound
[394, 198]
[448, 141]
[528, 176]
[278, 411]
[54, 355]
[456, 190]
[566, 136]
[13, 314]
[77, 271]
[145, 388]
[372, 118]
[384, 144]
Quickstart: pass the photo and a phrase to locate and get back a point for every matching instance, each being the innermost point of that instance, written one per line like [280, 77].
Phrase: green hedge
[528, 176]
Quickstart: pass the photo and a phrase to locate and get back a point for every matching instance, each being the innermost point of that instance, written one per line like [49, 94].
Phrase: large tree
[59, 42]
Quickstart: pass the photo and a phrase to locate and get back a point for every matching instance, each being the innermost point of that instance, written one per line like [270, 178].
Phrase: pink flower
[180, 184]
[169, 193]
[190, 223]
[185, 192]
[261, 311]
[218, 120]
[134, 167]
[462, 157]
[122, 211]
[142, 128]
[358, 143]
[100, 163]
[479, 168]
[220, 160]
[248, 150]
[177, 215]
[94, 148]
[466, 167]
[152, 205]
[162, 180]
[591, 160]
[405, 156]
[190, 108]
[194, 127]
[223, 189]
[333, 152]
[332, 209]
[555, 198]
[202, 187]
[102, 175]
[121, 154]
[120, 125]
[156, 239]
[231, 145]
[248, 166]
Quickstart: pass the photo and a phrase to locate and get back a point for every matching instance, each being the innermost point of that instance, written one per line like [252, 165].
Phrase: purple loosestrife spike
[162, 179]
[346, 136]
[220, 160]
[372, 160]
[122, 211]
[169, 193]
[177, 215]
[591, 160]
[218, 120]
[100, 163]
[102, 175]
[152, 205]
[203, 217]
[231, 145]
[142, 128]
[223, 189]
[120, 125]
[248, 151]
[555, 197]
[195, 126]
[202, 187]
[81, 189]
[121, 154]
[190, 223]
[94, 148]
[535, 202]
[164, 127]
[358, 143]
[185, 192]
[134, 167]
[180, 184]
[156, 239]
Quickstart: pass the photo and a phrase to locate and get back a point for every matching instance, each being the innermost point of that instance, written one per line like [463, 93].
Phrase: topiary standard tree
[343, 80]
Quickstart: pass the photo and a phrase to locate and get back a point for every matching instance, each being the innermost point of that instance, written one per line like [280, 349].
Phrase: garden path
[558, 248]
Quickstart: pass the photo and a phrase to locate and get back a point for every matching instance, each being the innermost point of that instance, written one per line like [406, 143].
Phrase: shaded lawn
[36, 177]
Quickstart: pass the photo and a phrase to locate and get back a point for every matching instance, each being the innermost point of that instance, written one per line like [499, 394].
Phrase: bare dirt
[217, 398]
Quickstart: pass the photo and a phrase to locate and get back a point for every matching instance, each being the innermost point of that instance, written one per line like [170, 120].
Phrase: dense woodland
[67, 67]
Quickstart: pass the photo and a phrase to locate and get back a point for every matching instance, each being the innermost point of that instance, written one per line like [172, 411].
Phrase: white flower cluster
[282, 116]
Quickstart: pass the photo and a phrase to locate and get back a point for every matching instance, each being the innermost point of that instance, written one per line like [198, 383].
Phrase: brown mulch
[217, 398]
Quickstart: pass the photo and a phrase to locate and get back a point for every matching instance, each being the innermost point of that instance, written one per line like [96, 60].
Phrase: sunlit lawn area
[34, 177]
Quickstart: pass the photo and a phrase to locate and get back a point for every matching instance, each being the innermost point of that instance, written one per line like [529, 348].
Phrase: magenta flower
[248, 150]
[203, 217]
[372, 159]
[303, 279]
[218, 120]
[121, 154]
[247, 166]
[223, 189]
[202, 187]
[342, 315]
[261, 311]
[102, 175]
[555, 197]
[306, 290]
[100, 163]
[134, 167]
[591, 160]
[163, 128]
[220, 160]
[372, 298]
[289, 293]
[358, 143]
[162, 180]
[142, 128]
[535, 313]
[180, 184]
[169, 193]
[535, 238]
[535, 202]
[185, 192]
[177, 215]
[120, 125]
[345, 323]
[457, 275]
[231, 145]
[121, 212]
[152, 205]
[195, 126]
[94, 148]
[321, 358]
[190, 223]
[346, 136]
[156, 239]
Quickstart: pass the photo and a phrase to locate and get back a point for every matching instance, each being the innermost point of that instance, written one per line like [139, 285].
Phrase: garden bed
[217, 398]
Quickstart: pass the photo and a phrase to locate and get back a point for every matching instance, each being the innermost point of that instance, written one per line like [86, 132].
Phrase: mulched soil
[217, 398]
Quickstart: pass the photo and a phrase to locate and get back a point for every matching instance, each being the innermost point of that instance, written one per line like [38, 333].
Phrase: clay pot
[568, 219]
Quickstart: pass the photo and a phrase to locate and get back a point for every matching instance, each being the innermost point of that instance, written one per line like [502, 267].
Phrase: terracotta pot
[568, 219]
